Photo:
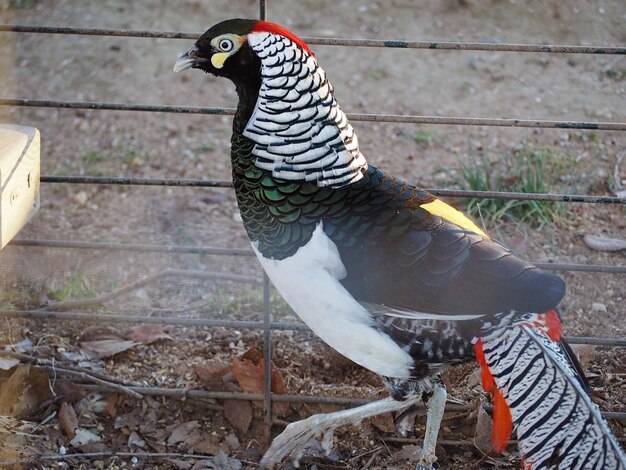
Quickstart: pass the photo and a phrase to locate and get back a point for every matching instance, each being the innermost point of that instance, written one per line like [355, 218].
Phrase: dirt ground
[366, 80]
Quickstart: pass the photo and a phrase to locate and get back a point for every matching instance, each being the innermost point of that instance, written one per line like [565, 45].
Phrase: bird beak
[188, 60]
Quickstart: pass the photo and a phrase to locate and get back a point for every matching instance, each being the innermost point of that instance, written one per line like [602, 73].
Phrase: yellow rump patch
[449, 213]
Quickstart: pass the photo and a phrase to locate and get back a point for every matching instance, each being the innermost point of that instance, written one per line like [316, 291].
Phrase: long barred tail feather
[557, 424]
[567, 350]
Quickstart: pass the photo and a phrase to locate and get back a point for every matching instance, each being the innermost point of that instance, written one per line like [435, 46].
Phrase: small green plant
[183, 234]
[247, 303]
[205, 148]
[23, 3]
[423, 137]
[131, 153]
[93, 157]
[616, 74]
[74, 287]
[525, 171]
[378, 74]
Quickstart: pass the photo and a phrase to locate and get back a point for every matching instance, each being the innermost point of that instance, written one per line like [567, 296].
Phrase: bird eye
[226, 45]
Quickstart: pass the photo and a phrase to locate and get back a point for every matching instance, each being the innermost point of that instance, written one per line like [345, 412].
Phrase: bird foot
[298, 437]
[427, 459]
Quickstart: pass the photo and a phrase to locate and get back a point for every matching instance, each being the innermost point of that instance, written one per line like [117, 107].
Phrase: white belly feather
[309, 282]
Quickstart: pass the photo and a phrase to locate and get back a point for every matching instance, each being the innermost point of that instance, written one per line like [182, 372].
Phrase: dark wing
[405, 249]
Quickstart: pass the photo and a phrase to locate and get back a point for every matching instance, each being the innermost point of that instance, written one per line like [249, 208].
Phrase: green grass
[22, 3]
[73, 287]
[530, 170]
[424, 137]
[93, 157]
[378, 74]
[246, 303]
[204, 148]
[616, 74]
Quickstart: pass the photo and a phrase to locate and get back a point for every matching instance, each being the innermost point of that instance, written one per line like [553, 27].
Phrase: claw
[327, 441]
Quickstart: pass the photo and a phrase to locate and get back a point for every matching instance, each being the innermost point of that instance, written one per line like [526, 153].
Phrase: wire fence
[267, 325]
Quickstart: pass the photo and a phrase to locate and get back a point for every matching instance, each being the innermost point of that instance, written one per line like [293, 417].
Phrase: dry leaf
[68, 391]
[135, 440]
[130, 420]
[211, 372]
[586, 353]
[383, 422]
[248, 371]
[180, 464]
[97, 333]
[483, 431]
[23, 393]
[238, 413]
[24, 346]
[232, 441]
[18, 438]
[148, 333]
[7, 363]
[185, 434]
[210, 445]
[249, 375]
[604, 243]
[474, 379]
[409, 454]
[222, 462]
[253, 354]
[68, 420]
[106, 347]
[83, 437]
[111, 408]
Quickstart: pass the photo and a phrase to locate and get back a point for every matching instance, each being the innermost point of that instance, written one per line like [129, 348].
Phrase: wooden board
[19, 178]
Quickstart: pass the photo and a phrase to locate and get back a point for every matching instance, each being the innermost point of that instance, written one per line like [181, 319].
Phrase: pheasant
[387, 274]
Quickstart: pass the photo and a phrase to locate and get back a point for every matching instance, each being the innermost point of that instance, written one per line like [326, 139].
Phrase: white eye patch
[226, 45]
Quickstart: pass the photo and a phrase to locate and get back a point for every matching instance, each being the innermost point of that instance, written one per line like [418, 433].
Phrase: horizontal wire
[209, 250]
[141, 247]
[211, 322]
[354, 42]
[363, 117]
[129, 180]
[290, 398]
[124, 180]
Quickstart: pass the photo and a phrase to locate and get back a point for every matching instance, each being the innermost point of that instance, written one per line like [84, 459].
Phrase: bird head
[286, 103]
[224, 49]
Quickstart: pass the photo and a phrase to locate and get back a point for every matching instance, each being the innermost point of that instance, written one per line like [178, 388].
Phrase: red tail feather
[502, 419]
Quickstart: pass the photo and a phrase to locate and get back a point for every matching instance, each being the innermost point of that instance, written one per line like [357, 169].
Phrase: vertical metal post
[263, 10]
[267, 358]
[267, 319]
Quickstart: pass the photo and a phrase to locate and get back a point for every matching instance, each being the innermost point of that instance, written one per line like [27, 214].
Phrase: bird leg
[298, 436]
[435, 406]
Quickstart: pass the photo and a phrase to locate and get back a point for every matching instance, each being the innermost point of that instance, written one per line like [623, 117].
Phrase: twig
[371, 460]
[93, 301]
[204, 404]
[91, 378]
[375, 449]
[46, 361]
